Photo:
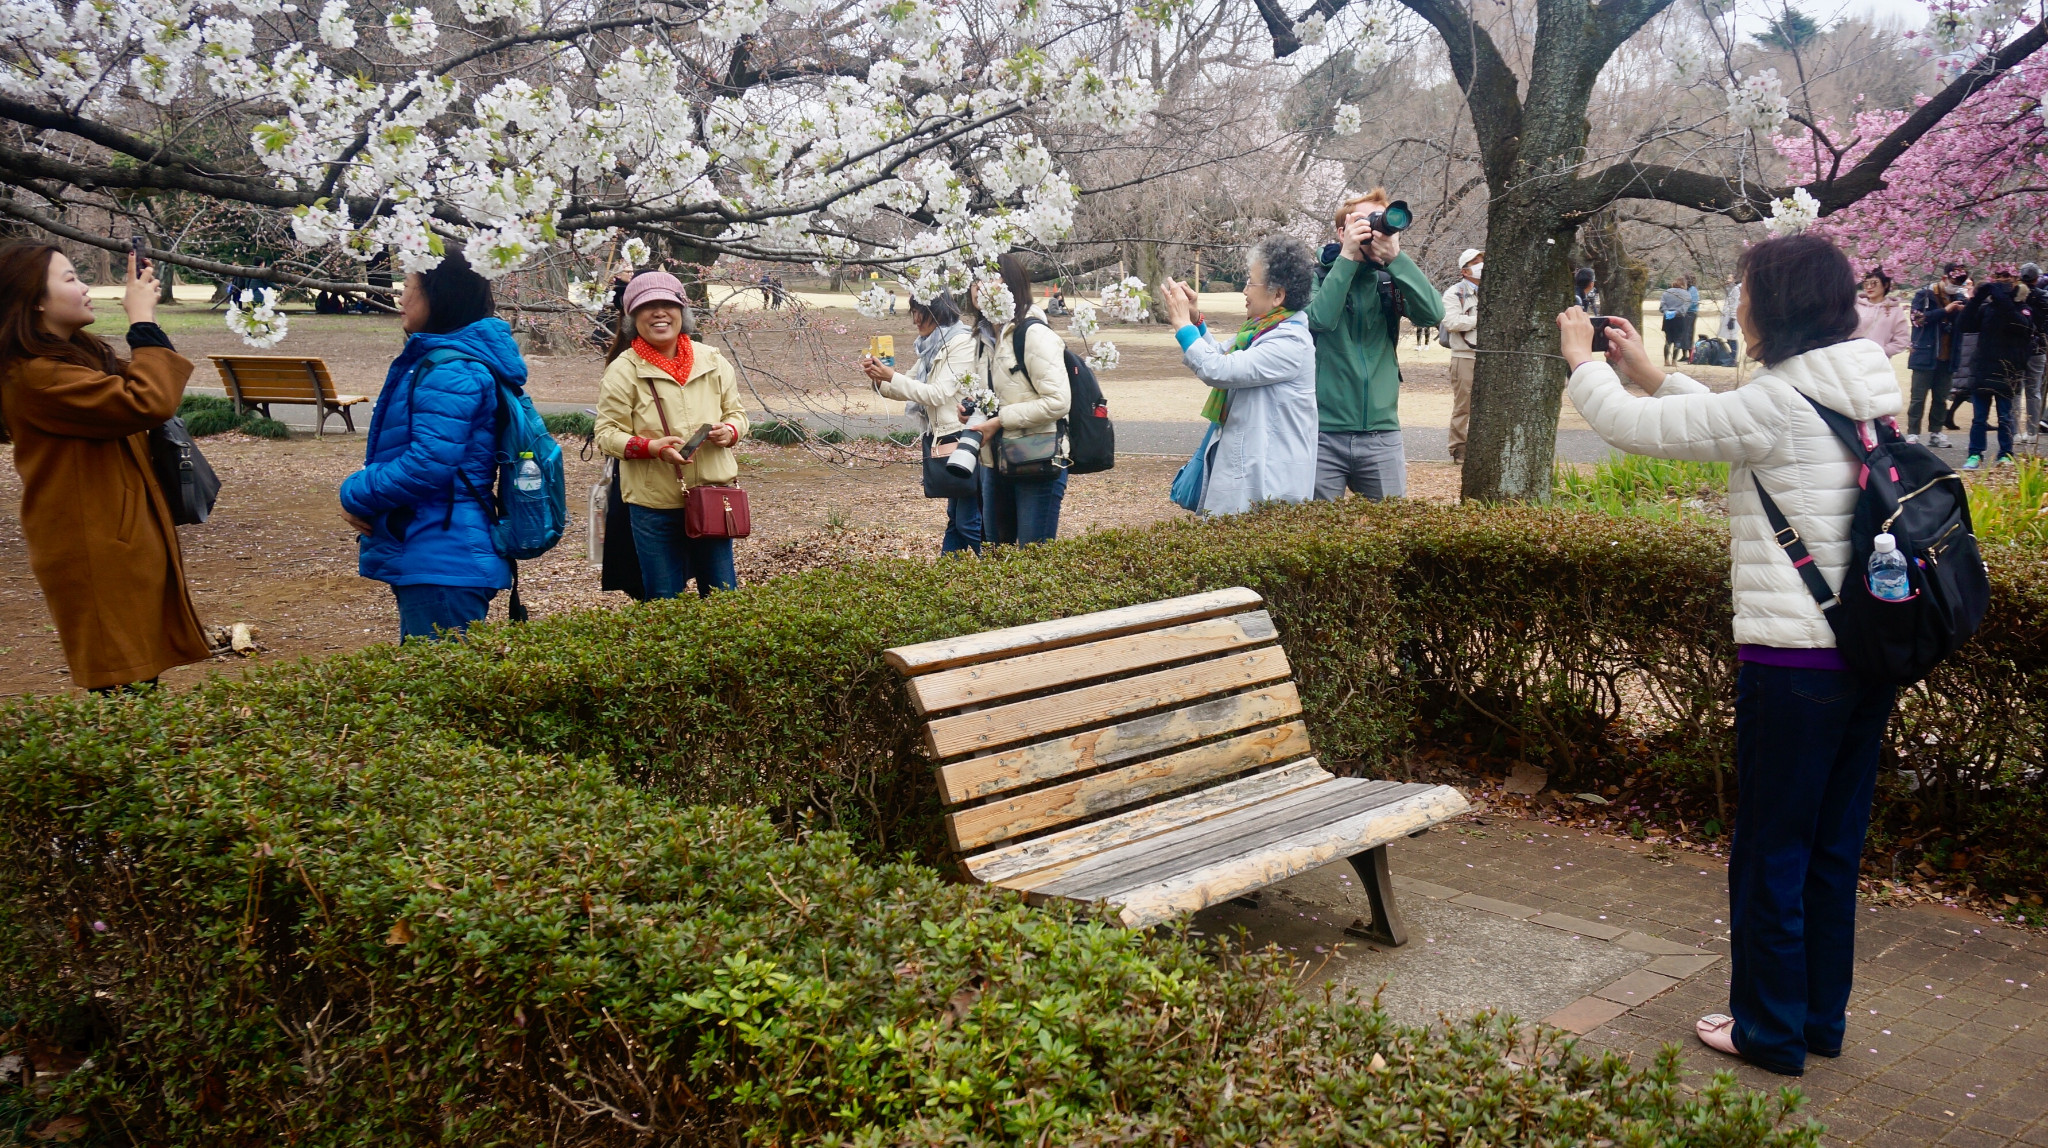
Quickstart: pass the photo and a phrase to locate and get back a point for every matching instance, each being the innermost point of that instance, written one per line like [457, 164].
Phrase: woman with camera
[1807, 731]
[1263, 386]
[660, 387]
[1023, 447]
[933, 390]
[100, 535]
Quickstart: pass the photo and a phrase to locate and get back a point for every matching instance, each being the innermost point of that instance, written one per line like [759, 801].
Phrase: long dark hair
[1801, 295]
[24, 282]
[622, 339]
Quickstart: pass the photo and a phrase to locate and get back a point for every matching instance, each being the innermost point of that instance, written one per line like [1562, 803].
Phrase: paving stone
[1635, 988]
[1681, 967]
[1426, 888]
[1488, 904]
[1569, 924]
[1584, 1015]
[1645, 943]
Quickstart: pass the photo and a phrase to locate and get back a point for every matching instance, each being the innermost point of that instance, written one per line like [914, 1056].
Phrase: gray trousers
[1928, 385]
[2034, 369]
[1372, 463]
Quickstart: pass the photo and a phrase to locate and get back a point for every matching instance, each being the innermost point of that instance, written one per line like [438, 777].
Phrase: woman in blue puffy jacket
[421, 500]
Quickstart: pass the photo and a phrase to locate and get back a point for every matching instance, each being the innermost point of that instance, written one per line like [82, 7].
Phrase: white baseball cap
[1470, 254]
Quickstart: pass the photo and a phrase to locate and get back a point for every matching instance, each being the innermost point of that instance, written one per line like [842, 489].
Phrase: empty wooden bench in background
[1153, 758]
[260, 380]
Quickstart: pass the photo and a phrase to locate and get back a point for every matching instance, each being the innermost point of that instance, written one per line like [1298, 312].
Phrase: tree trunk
[166, 279]
[1623, 279]
[1149, 263]
[1519, 380]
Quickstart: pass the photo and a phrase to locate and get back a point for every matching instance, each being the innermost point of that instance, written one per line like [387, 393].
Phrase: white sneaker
[1914, 439]
[1937, 439]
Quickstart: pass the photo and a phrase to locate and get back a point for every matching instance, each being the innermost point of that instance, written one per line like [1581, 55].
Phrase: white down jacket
[1763, 428]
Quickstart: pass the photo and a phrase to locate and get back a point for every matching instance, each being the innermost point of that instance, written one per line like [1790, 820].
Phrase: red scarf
[677, 368]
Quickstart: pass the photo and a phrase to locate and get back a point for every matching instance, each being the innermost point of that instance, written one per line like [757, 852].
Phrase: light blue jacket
[1266, 449]
[425, 437]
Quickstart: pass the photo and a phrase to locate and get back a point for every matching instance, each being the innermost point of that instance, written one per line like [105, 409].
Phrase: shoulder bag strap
[661, 408]
[1789, 541]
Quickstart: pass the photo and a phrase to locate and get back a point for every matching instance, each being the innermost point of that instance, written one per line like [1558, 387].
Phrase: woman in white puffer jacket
[1807, 731]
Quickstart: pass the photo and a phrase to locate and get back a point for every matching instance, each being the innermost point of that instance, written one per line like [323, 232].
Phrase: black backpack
[1911, 494]
[1091, 438]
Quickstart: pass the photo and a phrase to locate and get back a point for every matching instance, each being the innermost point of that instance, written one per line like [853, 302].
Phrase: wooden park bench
[260, 380]
[1153, 758]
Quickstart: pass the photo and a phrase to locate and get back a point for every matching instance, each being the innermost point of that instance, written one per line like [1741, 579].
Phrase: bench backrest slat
[1007, 818]
[982, 730]
[928, 657]
[275, 378]
[1029, 673]
[1026, 765]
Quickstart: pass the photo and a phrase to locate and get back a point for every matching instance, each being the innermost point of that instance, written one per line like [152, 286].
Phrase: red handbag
[709, 511]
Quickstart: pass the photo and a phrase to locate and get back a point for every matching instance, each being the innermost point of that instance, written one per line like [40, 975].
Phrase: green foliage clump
[1639, 484]
[2010, 506]
[207, 415]
[570, 424]
[267, 934]
[264, 427]
[778, 432]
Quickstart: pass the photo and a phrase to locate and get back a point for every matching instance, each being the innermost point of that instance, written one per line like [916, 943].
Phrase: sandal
[1717, 1031]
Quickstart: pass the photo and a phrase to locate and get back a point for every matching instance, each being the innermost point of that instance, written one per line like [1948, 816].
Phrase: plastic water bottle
[1888, 580]
[528, 477]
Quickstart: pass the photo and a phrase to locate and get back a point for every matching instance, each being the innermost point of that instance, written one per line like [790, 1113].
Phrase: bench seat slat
[1045, 760]
[1002, 725]
[1012, 817]
[1067, 846]
[1259, 860]
[1115, 871]
[994, 681]
[927, 657]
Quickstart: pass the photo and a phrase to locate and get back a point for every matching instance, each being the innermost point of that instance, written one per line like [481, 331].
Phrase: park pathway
[1627, 944]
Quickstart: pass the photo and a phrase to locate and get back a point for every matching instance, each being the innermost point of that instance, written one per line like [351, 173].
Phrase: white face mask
[1475, 269]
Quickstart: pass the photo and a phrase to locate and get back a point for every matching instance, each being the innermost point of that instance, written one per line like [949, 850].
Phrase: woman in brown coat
[100, 537]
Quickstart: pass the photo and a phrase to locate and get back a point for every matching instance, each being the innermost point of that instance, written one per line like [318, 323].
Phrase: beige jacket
[939, 392]
[1035, 398]
[625, 410]
[1461, 318]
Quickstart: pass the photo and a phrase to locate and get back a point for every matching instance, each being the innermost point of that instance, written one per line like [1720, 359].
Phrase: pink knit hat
[653, 287]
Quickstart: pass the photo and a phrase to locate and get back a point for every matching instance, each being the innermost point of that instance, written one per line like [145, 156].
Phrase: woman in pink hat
[657, 369]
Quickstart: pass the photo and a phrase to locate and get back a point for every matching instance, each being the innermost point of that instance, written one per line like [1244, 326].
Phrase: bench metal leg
[348, 419]
[1386, 927]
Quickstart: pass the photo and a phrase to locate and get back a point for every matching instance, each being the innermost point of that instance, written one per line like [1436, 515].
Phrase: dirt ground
[277, 555]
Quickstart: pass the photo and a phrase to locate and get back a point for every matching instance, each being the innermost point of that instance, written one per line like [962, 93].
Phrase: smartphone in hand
[1600, 323]
[135, 248]
[696, 440]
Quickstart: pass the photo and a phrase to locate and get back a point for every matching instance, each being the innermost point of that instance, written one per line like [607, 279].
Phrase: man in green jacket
[1357, 329]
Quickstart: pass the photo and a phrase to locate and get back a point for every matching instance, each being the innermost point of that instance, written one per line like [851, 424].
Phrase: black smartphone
[1600, 323]
[135, 249]
[695, 441]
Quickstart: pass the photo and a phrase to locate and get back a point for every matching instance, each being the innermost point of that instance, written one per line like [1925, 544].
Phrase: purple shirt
[1813, 658]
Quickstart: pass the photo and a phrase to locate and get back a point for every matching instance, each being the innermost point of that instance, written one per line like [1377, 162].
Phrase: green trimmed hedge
[265, 937]
[470, 886]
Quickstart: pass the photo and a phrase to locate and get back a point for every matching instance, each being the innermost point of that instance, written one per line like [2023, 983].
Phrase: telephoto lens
[966, 453]
[1395, 219]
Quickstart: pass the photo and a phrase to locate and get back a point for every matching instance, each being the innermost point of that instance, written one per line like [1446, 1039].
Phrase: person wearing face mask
[99, 533]
[1461, 334]
[1937, 308]
[661, 386]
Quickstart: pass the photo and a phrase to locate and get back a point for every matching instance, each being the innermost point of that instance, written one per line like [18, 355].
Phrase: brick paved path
[1948, 1025]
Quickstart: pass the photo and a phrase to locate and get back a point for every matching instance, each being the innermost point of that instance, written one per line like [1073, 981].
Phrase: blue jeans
[1806, 753]
[670, 558]
[1980, 403]
[963, 518]
[423, 611]
[1021, 512]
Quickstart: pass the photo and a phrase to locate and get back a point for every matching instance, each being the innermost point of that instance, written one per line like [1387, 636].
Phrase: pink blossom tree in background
[1974, 188]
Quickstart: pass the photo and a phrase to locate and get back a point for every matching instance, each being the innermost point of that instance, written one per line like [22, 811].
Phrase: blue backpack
[527, 518]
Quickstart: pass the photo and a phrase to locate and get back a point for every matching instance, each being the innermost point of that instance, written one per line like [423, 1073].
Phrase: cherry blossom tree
[1975, 188]
[874, 132]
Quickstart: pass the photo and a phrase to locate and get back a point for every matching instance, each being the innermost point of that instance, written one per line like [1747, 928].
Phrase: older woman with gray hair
[1263, 383]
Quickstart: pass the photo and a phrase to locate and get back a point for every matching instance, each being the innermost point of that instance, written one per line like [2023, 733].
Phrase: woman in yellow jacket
[653, 355]
[1032, 396]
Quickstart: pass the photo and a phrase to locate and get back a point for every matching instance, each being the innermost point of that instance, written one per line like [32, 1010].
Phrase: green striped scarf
[1219, 400]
